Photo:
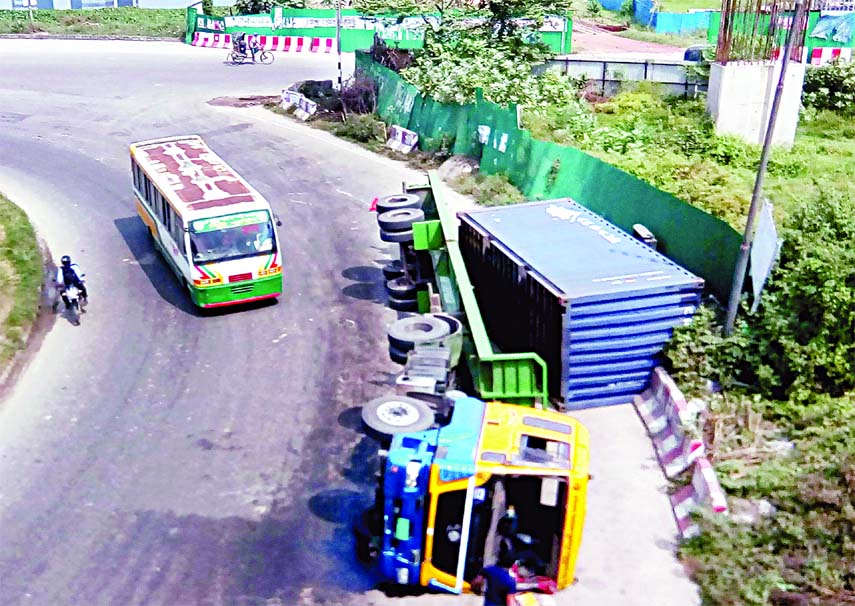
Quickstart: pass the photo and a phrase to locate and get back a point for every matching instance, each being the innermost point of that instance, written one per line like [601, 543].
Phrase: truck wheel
[397, 356]
[389, 415]
[396, 201]
[401, 288]
[405, 235]
[396, 220]
[403, 304]
[405, 333]
[393, 269]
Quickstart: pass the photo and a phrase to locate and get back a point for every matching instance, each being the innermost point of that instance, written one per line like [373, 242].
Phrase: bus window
[178, 233]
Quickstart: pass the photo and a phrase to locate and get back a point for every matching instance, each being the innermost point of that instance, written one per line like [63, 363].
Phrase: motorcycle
[76, 303]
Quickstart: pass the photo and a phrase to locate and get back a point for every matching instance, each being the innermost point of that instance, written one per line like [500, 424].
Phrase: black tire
[403, 334]
[393, 269]
[395, 201]
[397, 356]
[266, 57]
[401, 288]
[397, 236]
[404, 305]
[389, 415]
[399, 219]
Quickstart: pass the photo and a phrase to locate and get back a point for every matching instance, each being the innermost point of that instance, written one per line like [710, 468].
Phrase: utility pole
[748, 237]
[338, 38]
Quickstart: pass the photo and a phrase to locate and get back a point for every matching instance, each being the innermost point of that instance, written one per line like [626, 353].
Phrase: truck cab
[446, 495]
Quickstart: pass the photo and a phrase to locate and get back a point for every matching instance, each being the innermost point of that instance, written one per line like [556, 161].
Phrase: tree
[253, 7]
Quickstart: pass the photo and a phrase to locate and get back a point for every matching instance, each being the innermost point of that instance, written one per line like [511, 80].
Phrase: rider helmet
[66, 260]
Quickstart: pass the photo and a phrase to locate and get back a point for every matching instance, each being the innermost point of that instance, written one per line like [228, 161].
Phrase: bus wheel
[389, 415]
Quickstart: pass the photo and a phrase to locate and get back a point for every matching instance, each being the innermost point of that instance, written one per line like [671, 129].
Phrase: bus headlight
[412, 474]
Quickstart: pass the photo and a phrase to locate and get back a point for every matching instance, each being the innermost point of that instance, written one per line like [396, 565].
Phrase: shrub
[831, 87]
[365, 128]
[489, 190]
[208, 7]
[804, 335]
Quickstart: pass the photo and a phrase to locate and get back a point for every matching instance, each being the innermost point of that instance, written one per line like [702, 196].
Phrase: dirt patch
[250, 101]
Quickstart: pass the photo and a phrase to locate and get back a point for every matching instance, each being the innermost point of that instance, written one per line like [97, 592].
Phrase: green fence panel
[696, 240]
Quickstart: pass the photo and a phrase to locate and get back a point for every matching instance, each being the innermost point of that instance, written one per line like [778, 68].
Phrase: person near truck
[496, 582]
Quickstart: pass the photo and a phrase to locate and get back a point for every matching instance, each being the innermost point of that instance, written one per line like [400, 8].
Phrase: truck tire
[393, 269]
[396, 201]
[397, 356]
[403, 304]
[401, 289]
[399, 219]
[405, 333]
[398, 237]
[389, 415]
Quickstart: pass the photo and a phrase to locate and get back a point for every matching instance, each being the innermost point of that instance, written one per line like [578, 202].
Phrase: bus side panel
[147, 218]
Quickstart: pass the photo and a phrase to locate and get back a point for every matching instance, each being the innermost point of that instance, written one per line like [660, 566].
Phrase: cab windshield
[232, 237]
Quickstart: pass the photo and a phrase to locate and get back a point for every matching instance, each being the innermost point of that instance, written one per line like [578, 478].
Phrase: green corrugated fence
[696, 240]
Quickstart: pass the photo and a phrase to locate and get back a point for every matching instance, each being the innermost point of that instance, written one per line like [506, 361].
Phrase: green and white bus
[217, 233]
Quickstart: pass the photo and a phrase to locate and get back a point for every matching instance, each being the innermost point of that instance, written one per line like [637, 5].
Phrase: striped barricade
[285, 44]
[703, 492]
[290, 98]
[212, 40]
[305, 108]
[402, 140]
[667, 416]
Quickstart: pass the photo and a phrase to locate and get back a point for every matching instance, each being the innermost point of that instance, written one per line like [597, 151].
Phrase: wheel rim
[397, 414]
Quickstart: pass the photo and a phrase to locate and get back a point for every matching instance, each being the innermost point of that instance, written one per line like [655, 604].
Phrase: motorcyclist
[69, 274]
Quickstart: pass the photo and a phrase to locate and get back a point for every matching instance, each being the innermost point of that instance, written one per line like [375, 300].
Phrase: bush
[804, 335]
[365, 128]
[208, 7]
[831, 87]
[489, 190]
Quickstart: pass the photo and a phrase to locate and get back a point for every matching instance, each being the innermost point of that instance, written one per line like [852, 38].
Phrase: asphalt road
[156, 457]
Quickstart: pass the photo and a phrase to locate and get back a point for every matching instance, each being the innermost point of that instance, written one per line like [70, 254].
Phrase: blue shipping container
[594, 302]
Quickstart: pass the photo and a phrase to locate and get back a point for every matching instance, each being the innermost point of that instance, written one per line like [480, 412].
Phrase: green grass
[683, 6]
[20, 278]
[128, 21]
[644, 34]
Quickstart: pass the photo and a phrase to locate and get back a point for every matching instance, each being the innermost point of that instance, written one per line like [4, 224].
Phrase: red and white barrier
[703, 492]
[402, 139]
[666, 414]
[821, 56]
[286, 44]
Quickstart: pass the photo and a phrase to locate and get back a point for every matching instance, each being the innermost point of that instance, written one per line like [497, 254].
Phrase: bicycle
[236, 57]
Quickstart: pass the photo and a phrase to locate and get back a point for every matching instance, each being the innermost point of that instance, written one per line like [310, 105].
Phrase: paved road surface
[156, 457]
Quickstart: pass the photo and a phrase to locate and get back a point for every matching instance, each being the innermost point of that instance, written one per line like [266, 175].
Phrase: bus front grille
[242, 289]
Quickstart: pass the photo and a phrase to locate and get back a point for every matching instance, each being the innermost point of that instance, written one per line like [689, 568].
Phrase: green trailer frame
[518, 378]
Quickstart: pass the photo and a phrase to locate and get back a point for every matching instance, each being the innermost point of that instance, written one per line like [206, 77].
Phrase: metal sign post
[748, 238]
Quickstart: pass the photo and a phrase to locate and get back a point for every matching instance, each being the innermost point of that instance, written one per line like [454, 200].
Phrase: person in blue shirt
[69, 274]
[496, 582]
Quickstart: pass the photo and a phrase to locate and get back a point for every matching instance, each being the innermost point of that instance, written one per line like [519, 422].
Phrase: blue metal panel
[584, 256]
[458, 441]
[596, 303]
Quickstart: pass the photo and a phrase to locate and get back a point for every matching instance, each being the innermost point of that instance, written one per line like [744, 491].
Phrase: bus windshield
[232, 237]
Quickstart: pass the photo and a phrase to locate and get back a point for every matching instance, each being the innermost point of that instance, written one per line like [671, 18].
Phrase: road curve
[153, 456]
